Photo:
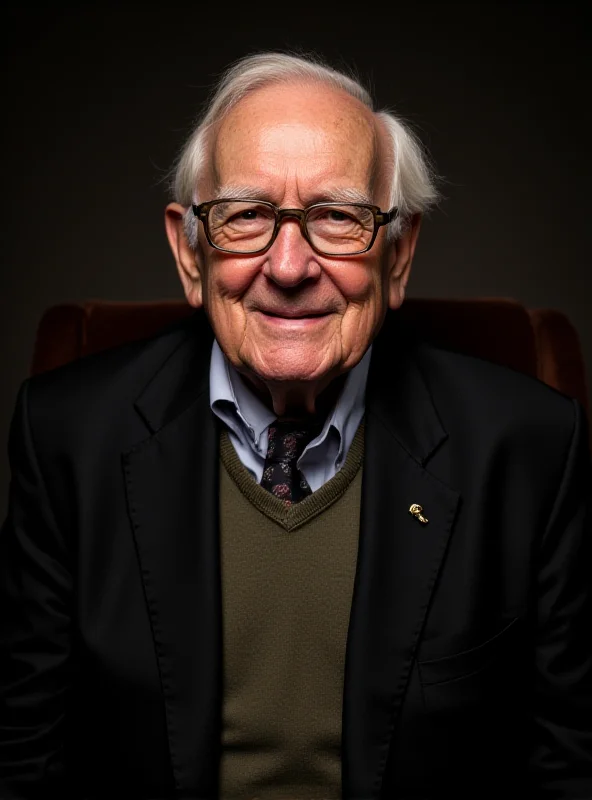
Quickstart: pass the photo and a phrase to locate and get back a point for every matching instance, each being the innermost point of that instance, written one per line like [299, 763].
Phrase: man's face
[290, 314]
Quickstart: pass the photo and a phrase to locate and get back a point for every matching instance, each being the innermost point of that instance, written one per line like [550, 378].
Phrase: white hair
[413, 188]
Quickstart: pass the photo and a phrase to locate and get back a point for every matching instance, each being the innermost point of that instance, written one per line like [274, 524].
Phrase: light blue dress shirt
[248, 419]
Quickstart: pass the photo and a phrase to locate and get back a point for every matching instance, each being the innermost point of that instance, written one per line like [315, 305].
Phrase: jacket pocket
[468, 662]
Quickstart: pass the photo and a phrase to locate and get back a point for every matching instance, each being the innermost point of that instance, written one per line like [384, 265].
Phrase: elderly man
[282, 549]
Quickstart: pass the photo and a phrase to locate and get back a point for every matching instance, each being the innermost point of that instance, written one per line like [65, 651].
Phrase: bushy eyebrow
[332, 195]
[344, 195]
[240, 192]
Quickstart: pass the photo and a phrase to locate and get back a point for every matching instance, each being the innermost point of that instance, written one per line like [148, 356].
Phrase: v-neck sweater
[287, 583]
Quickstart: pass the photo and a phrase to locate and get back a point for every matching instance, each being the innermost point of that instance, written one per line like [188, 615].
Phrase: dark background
[97, 102]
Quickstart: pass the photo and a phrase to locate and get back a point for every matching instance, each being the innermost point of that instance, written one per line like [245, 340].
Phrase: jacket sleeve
[561, 764]
[35, 626]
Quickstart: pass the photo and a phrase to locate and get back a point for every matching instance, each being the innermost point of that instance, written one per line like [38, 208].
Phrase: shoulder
[498, 388]
[110, 381]
[482, 401]
[467, 392]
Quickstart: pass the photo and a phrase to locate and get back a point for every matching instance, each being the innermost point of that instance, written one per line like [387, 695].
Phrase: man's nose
[290, 259]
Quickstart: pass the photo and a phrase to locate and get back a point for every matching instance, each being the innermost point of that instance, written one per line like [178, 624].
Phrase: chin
[291, 369]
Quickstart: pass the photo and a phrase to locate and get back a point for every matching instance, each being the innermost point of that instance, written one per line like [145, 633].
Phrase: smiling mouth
[301, 316]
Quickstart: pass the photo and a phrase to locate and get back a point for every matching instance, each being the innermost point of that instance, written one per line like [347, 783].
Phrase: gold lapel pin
[416, 511]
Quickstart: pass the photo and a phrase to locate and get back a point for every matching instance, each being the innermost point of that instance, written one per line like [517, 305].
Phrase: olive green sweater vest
[287, 583]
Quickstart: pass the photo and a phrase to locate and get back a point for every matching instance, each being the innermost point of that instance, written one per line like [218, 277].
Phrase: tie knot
[287, 439]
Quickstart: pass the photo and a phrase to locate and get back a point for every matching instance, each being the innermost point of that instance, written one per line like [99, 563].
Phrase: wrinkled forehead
[311, 136]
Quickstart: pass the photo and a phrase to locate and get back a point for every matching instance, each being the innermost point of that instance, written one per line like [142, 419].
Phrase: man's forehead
[317, 133]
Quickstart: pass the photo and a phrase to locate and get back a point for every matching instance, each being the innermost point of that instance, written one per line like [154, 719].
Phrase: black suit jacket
[469, 656]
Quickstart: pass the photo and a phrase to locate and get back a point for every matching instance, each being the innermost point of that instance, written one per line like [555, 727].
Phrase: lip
[287, 314]
[291, 320]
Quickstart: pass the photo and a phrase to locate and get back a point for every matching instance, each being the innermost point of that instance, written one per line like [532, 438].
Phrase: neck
[295, 401]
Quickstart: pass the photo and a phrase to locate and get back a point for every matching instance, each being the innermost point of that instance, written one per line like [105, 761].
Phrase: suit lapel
[398, 559]
[171, 481]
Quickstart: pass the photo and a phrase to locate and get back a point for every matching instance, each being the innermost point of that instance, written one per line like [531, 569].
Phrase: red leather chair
[539, 342]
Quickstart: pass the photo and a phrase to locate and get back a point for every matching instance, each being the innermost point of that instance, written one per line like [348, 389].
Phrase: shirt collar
[227, 385]
[347, 411]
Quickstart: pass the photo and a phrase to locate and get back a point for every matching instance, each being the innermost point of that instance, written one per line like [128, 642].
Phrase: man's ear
[403, 252]
[185, 258]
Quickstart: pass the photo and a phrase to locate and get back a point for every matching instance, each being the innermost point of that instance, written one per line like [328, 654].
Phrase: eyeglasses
[246, 227]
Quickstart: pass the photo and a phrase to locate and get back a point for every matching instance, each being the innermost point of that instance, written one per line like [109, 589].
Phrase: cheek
[226, 278]
[357, 282]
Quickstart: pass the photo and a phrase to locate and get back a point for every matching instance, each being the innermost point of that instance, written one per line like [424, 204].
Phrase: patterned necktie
[286, 443]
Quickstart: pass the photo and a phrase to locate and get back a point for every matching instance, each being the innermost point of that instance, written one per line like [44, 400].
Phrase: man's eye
[247, 215]
[331, 215]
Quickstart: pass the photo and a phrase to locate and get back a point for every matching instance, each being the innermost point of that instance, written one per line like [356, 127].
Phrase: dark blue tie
[286, 443]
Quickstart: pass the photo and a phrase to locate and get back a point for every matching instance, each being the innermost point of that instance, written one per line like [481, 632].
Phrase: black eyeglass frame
[381, 218]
